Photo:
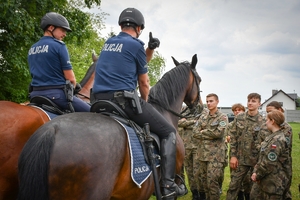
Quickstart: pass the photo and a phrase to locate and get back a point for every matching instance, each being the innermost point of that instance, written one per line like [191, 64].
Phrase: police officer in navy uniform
[121, 65]
[50, 65]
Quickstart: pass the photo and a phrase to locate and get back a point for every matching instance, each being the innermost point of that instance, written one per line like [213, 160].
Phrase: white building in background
[288, 101]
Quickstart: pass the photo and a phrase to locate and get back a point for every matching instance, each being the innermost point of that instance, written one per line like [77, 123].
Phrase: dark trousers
[59, 98]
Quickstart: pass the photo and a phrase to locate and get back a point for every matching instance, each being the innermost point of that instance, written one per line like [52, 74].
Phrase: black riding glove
[153, 42]
[77, 88]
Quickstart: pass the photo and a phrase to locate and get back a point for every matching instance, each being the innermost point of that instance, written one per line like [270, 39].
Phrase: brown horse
[18, 123]
[86, 155]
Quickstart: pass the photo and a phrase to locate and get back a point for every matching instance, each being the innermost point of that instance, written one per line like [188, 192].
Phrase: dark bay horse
[18, 123]
[86, 155]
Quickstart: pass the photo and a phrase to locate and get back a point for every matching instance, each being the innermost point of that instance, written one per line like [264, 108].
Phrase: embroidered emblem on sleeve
[288, 141]
[222, 123]
[272, 156]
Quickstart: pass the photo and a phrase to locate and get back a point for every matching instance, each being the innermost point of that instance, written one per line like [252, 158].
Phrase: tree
[19, 29]
[156, 67]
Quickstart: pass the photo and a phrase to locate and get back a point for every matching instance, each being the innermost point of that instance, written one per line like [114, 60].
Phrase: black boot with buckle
[170, 189]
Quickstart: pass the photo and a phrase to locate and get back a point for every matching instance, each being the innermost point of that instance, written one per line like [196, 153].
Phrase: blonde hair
[277, 116]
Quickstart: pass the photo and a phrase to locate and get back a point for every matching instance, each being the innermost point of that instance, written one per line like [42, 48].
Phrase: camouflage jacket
[272, 170]
[244, 138]
[210, 131]
[287, 131]
[185, 127]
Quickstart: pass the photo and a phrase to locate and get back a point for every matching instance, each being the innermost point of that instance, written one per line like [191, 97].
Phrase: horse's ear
[175, 61]
[94, 57]
[194, 61]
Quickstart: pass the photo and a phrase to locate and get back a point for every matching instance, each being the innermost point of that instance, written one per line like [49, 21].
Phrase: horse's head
[192, 97]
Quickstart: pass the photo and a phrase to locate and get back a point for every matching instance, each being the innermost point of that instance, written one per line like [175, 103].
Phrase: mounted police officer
[50, 65]
[121, 65]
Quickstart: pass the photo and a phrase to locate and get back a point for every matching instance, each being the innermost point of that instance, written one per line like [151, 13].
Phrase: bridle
[198, 89]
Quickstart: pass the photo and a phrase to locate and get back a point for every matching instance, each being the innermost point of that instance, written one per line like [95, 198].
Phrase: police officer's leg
[80, 106]
[57, 96]
[166, 132]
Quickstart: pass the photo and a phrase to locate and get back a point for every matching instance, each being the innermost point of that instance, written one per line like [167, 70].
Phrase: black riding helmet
[132, 16]
[56, 20]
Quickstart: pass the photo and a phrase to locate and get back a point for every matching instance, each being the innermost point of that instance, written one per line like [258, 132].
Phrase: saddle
[46, 104]
[112, 110]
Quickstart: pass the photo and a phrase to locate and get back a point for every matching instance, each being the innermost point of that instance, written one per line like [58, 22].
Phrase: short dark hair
[213, 95]
[254, 96]
[276, 105]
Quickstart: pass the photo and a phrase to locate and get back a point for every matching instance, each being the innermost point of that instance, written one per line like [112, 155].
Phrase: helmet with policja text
[56, 20]
[132, 16]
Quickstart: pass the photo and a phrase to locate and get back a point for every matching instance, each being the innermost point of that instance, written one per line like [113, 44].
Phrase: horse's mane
[170, 86]
[88, 74]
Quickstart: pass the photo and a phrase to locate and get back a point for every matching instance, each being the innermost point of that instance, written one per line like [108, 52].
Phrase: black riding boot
[168, 163]
[202, 196]
[240, 195]
[196, 195]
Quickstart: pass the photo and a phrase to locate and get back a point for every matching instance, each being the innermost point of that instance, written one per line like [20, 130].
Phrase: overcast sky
[242, 46]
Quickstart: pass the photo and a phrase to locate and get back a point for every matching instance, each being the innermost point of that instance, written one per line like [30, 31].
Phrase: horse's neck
[176, 107]
[86, 88]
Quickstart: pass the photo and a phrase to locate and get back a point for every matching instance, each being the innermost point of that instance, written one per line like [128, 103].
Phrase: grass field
[296, 169]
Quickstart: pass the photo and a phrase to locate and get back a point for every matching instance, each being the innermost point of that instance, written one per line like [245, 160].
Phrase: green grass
[296, 169]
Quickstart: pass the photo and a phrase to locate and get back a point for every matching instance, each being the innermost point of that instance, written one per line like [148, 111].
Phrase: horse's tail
[34, 164]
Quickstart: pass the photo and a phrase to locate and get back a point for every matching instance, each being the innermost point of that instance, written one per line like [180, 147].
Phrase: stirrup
[179, 190]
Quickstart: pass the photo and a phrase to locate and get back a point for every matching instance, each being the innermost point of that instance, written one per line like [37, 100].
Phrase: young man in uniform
[210, 133]
[244, 138]
[121, 65]
[50, 65]
[191, 162]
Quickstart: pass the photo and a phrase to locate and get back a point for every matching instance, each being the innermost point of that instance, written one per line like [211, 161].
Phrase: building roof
[275, 92]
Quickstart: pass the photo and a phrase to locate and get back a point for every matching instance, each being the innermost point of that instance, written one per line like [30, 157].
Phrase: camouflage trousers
[258, 194]
[237, 178]
[192, 165]
[247, 183]
[211, 174]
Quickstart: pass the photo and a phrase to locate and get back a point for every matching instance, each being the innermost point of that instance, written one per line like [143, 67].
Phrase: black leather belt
[48, 87]
[104, 96]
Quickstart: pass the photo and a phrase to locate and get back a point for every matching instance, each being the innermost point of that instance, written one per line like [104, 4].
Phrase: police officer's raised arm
[144, 86]
[152, 44]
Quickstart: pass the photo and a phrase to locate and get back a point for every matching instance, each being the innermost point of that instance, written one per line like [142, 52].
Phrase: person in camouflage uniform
[185, 128]
[247, 183]
[288, 133]
[243, 140]
[210, 132]
[272, 172]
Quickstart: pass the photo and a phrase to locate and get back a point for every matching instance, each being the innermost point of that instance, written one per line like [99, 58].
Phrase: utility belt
[121, 97]
[33, 88]
[68, 89]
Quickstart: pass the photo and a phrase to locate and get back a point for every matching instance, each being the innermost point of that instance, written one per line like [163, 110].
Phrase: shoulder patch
[140, 41]
[222, 123]
[272, 156]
